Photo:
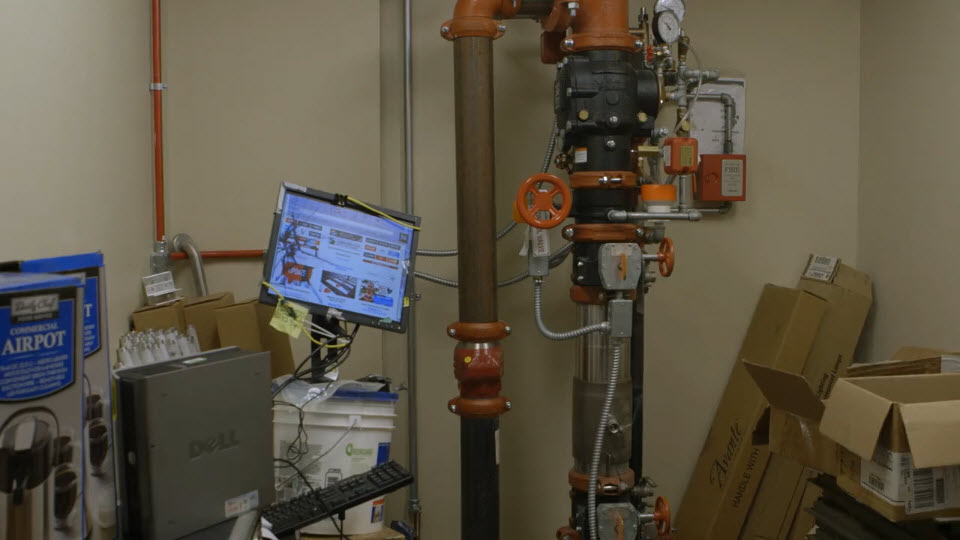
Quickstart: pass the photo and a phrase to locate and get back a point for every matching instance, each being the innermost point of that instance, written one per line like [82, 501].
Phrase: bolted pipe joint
[479, 18]
[478, 368]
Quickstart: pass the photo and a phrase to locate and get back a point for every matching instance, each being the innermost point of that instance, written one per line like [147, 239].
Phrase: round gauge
[666, 26]
[676, 6]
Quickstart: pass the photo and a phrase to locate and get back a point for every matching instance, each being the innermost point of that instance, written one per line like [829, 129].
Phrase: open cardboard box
[910, 361]
[892, 442]
[736, 489]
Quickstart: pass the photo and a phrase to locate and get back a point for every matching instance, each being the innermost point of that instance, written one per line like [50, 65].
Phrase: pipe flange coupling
[478, 332]
[472, 27]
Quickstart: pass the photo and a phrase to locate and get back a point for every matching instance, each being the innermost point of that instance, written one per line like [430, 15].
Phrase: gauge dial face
[667, 26]
[676, 6]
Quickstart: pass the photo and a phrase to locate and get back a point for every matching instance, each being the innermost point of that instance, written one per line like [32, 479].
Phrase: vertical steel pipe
[414, 507]
[476, 240]
[476, 214]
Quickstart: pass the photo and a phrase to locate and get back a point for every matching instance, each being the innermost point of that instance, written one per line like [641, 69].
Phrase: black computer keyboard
[303, 510]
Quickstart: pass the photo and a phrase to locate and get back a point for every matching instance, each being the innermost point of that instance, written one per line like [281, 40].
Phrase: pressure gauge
[666, 26]
[676, 6]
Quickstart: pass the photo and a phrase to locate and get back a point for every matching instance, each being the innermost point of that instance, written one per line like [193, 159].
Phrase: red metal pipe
[235, 254]
[157, 125]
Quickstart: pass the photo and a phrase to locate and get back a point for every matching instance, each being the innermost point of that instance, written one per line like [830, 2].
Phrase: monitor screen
[340, 259]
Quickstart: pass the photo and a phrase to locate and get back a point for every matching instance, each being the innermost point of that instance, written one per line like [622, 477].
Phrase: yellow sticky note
[289, 318]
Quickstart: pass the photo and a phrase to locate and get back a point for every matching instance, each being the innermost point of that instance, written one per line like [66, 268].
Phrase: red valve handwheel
[661, 516]
[543, 201]
[666, 257]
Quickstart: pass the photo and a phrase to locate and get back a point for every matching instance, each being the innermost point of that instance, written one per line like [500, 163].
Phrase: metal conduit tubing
[556, 258]
[592, 364]
[729, 115]
[413, 501]
[183, 242]
[506, 230]
[621, 216]
[477, 268]
[600, 325]
[608, 398]
[236, 254]
[724, 209]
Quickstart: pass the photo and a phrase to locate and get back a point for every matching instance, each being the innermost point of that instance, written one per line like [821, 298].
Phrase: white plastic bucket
[352, 432]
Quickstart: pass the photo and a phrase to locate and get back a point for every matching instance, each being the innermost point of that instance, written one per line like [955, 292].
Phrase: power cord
[337, 524]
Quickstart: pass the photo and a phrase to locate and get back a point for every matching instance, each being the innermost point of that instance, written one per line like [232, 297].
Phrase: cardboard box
[890, 441]
[804, 521]
[811, 330]
[99, 477]
[849, 296]
[793, 429]
[728, 470]
[159, 317]
[41, 406]
[776, 502]
[906, 430]
[910, 361]
[200, 313]
[247, 325]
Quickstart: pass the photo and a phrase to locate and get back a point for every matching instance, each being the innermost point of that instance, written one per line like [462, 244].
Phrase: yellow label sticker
[686, 156]
[289, 318]
[467, 359]
[406, 301]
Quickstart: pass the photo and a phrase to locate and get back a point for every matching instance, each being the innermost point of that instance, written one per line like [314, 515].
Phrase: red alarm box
[680, 155]
[722, 177]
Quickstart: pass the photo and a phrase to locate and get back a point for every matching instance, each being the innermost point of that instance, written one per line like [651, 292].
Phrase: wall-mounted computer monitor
[340, 259]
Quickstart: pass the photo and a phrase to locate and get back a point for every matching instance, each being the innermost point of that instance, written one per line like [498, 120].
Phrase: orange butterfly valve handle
[666, 257]
[661, 517]
[531, 200]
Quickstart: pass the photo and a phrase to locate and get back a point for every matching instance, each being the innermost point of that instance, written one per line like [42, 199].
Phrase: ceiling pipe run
[156, 88]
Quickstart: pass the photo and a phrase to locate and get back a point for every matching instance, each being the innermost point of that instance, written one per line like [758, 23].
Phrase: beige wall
[75, 137]
[261, 93]
[802, 141]
[799, 88]
[908, 188]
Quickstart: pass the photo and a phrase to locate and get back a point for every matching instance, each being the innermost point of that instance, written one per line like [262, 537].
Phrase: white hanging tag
[524, 249]
[541, 242]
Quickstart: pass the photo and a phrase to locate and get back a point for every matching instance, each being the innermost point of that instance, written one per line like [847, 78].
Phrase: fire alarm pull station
[722, 177]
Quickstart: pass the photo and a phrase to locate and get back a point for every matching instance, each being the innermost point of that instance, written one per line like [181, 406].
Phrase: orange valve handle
[661, 516]
[542, 201]
[665, 256]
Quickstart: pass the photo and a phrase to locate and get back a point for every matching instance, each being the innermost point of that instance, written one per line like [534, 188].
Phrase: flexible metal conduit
[183, 242]
[548, 158]
[560, 336]
[601, 432]
[556, 258]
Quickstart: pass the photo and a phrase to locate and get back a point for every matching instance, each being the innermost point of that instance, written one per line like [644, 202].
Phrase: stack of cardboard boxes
[739, 488]
[221, 322]
[795, 407]
[888, 432]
